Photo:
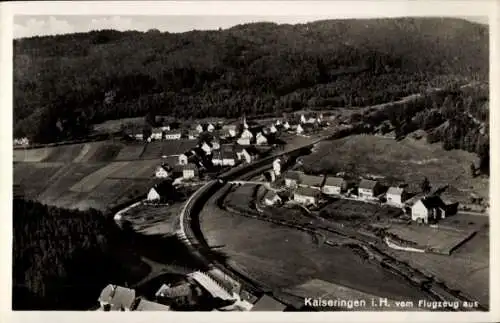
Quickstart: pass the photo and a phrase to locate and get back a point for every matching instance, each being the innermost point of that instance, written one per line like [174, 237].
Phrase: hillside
[64, 84]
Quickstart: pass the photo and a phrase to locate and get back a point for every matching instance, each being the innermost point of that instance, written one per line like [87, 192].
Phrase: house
[207, 148]
[368, 189]
[334, 185]
[163, 171]
[278, 122]
[156, 134]
[302, 119]
[268, 304]
[223, 157]
[231, 129]
[160, 192]
[21, 141]
[271, 198]
[292, 178]
[396, 196]
[428, 209]
[306, 195]
[277, 166]
[186, 157]
[165, 128]
[148, 306]
[244, 141]
[311, 181]
[210, 127]
[199, 128]
[215, 144]
[260, 139]
[286, 125]
[139, 136]
[192, 134]
[272, 129]
[299, 130]
[189, 171]
[117, 298]
[248, 154]
[172, 134]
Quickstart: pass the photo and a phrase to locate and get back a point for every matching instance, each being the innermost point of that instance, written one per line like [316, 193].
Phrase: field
[438, 239]
[30, 155]
[157, 149]
[34, 177]
[281, 257]
[408, 161]
[153, 220]
[89, 182]
[130, 152]
[136, 169]
[344, 209]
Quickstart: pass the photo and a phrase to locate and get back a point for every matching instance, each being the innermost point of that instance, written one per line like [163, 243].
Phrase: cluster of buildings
[308, 190]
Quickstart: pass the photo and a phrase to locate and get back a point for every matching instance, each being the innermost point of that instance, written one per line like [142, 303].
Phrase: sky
[28, 26]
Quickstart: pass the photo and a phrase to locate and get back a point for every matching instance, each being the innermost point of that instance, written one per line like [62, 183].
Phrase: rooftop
[433, 202]
[367, 184]
[296, 175]
[306, 191]
[312, 180]
[334, 181]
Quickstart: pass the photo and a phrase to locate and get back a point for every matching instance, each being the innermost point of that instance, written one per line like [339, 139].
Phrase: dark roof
[433, 202]
[307, 191]
[189, 166]
[367, 184]
[267, 303]
[334, 181]
[311, 180]
[294, 175]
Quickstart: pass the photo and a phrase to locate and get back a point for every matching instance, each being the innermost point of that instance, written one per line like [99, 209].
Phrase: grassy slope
[407, 161]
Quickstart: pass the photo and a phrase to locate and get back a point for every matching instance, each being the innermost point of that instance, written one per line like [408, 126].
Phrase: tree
[425, 186]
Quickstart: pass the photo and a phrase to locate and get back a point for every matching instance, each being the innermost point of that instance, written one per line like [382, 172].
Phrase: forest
[62, 259]
[65, 84]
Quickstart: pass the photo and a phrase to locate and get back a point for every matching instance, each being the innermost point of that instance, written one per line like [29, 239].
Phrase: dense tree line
[64, 84]
[62, 258]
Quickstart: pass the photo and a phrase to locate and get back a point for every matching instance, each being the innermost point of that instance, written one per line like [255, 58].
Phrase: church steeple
[244, 122]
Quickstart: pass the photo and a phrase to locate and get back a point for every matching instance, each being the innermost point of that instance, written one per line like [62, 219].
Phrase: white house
[199, 128]
[278, 122]
[302, 119]
[292, 178]
[206, 148]
[305, 195]
[247, 154]
[277, 166]
[272, 129]
[334, 185]
[165, 128]
[271, 198]
[156, 134]
[192, 134]
[184, 158]
[162, 171]
[117, 298]
[246, 134]
[223, 158]
[21, 141]
[396, 196]
[139, 136]
[231, 129]
[189, 171]
[245, 138]
[367, 189]
[210, 127]
[172, 134]
[286, 125]
[260, 139]
[299, 130]
[244, 141]
[430, 208]
[215, 144]
[153, 195]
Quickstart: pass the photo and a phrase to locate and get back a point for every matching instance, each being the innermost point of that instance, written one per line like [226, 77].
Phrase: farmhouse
[368, 189]
[248, 154]
[163, 171]
[186, 157]
[311, 181]
[299, 129]
[334, 185]
[156, 134]
[160, 192]
[189, 171]
[260, 139]
[277, 166]
[192, 134]
[306, 195]
[292, 178]
[223, 157]
[396, 195]
[271, 198]
[172, 135]
[199, 128]
[302, 119]
[117, 298]
[431, 208]
[231, 129]
[210, 127]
